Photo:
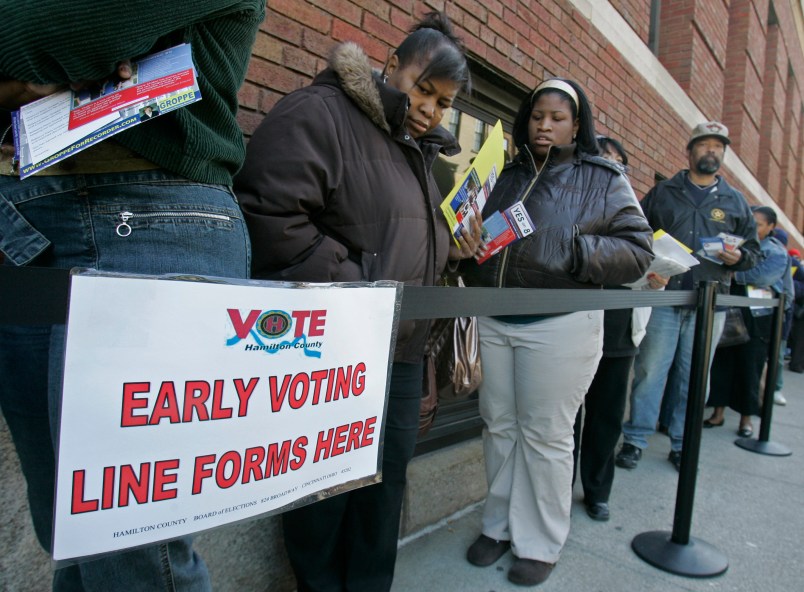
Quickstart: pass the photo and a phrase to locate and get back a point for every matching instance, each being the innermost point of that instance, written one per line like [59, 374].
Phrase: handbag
[734, 331]
[434, 348]
[452, 368]
[465, 368]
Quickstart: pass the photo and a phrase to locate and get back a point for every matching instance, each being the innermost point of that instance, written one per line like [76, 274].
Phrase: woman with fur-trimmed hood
[337, 187]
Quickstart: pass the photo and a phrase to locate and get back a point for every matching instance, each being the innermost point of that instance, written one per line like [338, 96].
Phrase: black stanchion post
[677, 552]
[763, 444]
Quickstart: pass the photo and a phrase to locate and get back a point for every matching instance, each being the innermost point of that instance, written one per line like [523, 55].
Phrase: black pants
[605, 407]
[737, 370]
[348, 542]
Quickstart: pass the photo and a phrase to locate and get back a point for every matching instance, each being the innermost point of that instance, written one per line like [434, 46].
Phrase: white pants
[534, 379]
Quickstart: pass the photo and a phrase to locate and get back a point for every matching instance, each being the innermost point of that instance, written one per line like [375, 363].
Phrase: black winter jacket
[335, 190]
[589, 229]
[669, 207]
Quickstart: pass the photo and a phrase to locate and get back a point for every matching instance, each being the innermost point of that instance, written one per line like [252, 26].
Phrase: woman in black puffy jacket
[589, 231]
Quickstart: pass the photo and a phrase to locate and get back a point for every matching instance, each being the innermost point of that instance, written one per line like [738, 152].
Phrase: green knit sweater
[60, 41]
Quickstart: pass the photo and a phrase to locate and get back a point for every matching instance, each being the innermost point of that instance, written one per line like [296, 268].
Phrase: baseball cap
[709, 129]
[794, 252]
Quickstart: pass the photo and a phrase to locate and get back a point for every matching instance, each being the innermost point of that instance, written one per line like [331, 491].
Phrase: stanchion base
[697, 559]
[760, 447]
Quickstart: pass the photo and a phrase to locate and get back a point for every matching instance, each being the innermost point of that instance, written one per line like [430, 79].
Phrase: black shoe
[529, 572]
[486, 550]
[675, 458]
[628, 457]
[745, 431]
[598, 511]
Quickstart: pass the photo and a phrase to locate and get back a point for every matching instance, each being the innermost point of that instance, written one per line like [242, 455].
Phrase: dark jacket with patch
[669, 207]
[335, 190]
[589, 229]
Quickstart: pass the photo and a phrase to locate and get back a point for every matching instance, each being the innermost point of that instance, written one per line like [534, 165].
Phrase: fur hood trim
[351, 64]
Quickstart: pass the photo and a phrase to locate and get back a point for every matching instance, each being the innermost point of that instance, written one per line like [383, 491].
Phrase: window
[653, 30]
[480, 134]
[454, 123]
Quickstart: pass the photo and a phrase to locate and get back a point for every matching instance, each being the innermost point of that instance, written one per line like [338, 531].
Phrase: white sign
[187, 405]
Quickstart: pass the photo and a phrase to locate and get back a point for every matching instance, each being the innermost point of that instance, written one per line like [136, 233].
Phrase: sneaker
[675, 458]
[779, 399]
[486, 550]
[628, 457]
[529, 572]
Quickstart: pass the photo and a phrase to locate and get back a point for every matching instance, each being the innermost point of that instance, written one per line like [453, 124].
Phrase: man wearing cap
[695, 203]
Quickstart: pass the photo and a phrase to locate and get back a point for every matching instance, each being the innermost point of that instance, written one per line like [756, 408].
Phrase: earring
[384, 78]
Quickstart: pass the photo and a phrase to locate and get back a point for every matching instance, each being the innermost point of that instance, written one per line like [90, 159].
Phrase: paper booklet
[712, 245]
[502, 228]
[672, 258]
[467, 198]
[64, 123]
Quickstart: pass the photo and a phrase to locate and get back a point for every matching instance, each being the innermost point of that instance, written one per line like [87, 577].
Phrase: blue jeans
[83, 221]
[664, 360]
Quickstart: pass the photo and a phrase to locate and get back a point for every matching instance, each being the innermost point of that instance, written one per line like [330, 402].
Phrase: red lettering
[166, 405]
[130, 403]
[108, 488]
[219, 412]
[322, 445]
[251, 467]
[277, 398]
[299, 316]
[162, 479]
[368, 432]
[354, 436]
[195, 401]
[244, 394]
[299, 452]
[317, 377]
[241, 327]
[317, 320]
[221, 479]
[339, 439]
[277, 461]
[342, 381]
[80, 505]
[130, 482]
[297, 398]
[201, 471]
[359, 379]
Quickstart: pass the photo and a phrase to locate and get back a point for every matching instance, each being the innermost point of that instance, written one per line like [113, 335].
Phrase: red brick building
[652, 69]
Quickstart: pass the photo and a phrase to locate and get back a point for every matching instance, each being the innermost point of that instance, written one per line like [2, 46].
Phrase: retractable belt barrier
[39, 296]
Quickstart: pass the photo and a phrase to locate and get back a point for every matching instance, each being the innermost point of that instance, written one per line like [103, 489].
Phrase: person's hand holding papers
[656, 281]
[470, 243]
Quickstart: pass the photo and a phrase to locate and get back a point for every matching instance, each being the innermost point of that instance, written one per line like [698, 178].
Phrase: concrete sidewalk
[747, 505]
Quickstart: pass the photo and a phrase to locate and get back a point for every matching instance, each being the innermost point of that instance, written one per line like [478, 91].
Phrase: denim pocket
[144, 219]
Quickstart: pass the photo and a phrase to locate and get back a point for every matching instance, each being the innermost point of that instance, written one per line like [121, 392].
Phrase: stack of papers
[60, 125]
[672, 258]
[468, 197]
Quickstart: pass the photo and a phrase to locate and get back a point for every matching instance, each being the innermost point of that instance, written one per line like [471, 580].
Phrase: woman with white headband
[589, 231]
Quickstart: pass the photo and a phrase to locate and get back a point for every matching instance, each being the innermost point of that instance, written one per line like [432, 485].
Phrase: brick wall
[713, 48]
[745, 64]
[637, 14]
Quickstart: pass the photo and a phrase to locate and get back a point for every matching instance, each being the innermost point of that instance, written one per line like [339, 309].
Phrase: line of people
[337, 185]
